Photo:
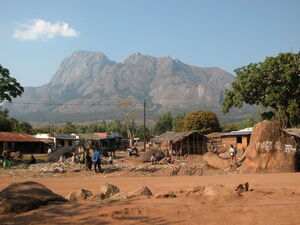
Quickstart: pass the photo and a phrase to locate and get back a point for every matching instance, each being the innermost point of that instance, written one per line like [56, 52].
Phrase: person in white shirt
[232, 151]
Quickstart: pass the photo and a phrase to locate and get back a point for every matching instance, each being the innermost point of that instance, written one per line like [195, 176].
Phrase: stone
[97, 197]
[143, 191]
[25, 196]
[217, 191]
[109, 190]
[270, 150]
[165, 195]
[215, 161]
[80, 195]
[146, 157]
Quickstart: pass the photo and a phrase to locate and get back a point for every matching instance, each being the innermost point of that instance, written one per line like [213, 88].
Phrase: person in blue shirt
[97, 161]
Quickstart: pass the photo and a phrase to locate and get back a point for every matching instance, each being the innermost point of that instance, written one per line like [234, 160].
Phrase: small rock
[122, 195]
[143, 191]
[81, 195]
[216, 191]
[109, 190]
[197, 189]
[242, 188]
[97, 197]
[165, 195]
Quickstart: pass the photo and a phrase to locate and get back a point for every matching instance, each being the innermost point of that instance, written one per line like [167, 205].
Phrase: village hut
[239, 139]
[214, 141]
[181, 143]
[20, 142]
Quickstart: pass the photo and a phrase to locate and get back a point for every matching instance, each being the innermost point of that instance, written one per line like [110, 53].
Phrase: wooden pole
[194, 144]
[145, 125]
[188, 144]
[181, 151]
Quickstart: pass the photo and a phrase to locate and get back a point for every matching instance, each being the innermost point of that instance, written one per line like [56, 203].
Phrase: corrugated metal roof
[102, 135]
[64, 136]
[17, 137]
[237, 133]
[173, 136]
[90, 137]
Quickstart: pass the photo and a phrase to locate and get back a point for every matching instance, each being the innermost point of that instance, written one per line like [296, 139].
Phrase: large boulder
[158, 154]
[215, 161]
[270, 150]
[25, 196]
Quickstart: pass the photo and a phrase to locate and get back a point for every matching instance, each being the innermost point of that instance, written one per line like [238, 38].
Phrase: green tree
[273, 84]
[68, 128]
[22, 127]
[204, 120]
[6, 123]
[116, 126]
[102, 126]
[164, 123]
[178, 122]
[9, 87]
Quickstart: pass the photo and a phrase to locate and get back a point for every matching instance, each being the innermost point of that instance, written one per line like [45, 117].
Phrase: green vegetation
[9, 87]
[249, 122]
[164, 123]
[274, 84]
[203, 120]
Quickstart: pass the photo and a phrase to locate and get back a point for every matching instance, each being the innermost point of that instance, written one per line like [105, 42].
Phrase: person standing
[6, 162]
[88, 163]
[232, 151]
[97, 161]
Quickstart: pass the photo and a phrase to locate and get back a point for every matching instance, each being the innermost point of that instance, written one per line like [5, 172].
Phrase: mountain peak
[80, 65]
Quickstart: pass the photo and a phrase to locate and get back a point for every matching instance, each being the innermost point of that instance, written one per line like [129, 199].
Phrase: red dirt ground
[275, 199]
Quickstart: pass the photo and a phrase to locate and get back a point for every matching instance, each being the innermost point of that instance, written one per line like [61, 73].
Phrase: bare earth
[275, 199]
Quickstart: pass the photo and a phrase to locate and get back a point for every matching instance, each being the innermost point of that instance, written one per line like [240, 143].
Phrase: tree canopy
[164, 123]
[204, 120]
[273, 84]
[9, 87]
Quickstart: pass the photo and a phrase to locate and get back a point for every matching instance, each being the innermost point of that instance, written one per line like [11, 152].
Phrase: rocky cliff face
[89, 85]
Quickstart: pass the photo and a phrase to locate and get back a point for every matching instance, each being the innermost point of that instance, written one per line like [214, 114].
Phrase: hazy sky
[36, 35]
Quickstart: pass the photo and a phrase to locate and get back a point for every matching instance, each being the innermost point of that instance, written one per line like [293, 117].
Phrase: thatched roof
[214, 135]
[173, 136]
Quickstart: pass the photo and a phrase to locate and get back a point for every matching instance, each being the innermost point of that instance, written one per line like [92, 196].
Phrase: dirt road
[275, 199]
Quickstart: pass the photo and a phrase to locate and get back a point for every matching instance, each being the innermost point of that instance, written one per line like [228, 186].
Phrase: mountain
[89, 86]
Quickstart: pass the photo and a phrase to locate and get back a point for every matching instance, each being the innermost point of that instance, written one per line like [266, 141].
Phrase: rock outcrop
[158, 154]
[25, 196]
[215, 161]
[270, 150]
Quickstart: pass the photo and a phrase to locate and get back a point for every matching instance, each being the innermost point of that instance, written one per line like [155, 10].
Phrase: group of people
[95, 160]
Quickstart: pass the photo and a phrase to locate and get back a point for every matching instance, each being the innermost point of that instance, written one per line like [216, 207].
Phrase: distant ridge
[87, 85]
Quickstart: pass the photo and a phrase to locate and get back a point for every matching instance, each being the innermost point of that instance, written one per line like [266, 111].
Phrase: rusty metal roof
[17, 137]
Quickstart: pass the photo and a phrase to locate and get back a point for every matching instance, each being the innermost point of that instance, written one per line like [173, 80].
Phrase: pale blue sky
[224, 33]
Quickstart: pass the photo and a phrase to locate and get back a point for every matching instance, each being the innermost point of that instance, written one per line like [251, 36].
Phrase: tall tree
[164, 123]
[178, 122]
[9, 87]
[204, 120]
[273, 84]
